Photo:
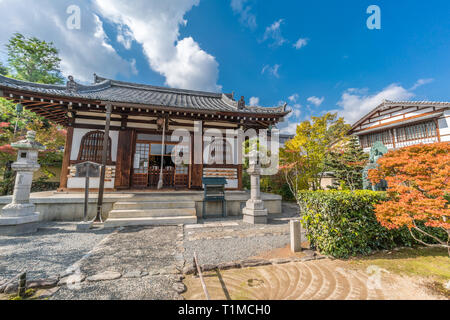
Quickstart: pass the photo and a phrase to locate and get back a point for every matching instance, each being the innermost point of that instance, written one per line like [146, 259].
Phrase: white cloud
[295, 111]
[246, 17]
[355, 103]
[302, 42]
[294, 97]
[316, 101]
[83, 51]
[124, 36]
[273, 32]
[293, 119]
[290, 128]
[254, 101]
[155, 25]
[420, 83]
[273, 70]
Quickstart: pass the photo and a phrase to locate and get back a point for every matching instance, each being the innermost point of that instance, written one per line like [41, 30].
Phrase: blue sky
[317, 56]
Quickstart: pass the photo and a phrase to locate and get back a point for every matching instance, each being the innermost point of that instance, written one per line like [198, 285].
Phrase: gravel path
[226, 250]
[226, 240]
[153, 251]
[47, 253]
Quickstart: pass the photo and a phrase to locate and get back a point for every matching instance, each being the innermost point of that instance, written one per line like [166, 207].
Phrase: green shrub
[343, 223]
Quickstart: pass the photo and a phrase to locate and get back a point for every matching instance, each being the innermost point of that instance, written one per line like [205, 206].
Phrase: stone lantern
[19, 217]
[254, 211]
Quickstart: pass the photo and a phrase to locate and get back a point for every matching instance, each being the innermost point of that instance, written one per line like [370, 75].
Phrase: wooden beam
[66, 159]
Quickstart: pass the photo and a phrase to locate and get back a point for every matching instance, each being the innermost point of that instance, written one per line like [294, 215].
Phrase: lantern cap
[29, 143]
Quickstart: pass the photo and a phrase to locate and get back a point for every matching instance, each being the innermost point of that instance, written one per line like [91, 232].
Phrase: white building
[404, 123]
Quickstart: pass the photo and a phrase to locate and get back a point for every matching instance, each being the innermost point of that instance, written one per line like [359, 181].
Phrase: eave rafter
[57, 108]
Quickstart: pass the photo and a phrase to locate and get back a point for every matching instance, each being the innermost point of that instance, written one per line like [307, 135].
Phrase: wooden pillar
[196, 175]
[438, 133]
[101, 188]
[66, 159]
[240, 183]
[394, 133]
[124, 159]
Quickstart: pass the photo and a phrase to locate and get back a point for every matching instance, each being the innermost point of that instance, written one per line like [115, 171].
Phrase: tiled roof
[124, 92]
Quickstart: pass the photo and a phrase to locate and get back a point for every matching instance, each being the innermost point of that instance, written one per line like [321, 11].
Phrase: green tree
[303, 158]
[31, 59]
[347, 164]
[3, 70]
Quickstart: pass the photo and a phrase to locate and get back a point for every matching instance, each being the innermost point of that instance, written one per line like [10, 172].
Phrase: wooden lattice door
[141, 163]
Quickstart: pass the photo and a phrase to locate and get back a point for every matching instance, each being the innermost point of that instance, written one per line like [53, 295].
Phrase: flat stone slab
[211, 225]
[104, 276]
[84, 226]
[42, 284]
[179, 287]
[73, 279]
[135, 274]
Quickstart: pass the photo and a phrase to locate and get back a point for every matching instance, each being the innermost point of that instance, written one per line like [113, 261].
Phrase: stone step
[149, 213]
[166, 197]
[142, 205]
[112, 223]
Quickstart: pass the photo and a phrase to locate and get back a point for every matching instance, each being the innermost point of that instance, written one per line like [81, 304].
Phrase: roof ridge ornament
[241, 103]
[72, 86]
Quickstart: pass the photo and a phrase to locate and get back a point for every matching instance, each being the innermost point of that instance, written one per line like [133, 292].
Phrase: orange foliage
[418, 179]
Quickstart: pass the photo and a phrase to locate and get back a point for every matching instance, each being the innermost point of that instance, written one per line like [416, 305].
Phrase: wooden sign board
[87, 169]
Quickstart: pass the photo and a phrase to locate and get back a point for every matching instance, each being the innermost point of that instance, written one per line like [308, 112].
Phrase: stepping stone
[47, 293]
[135, 274]
[228, 265]
[179, 287]
[11, 288]
[42, 284]
[168, 270]
[189, 269]
[105, 276]
[75, 278]
[254, 263]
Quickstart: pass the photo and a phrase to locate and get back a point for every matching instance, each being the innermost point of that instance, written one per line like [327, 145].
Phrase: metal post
[101, 187]
[161, 182]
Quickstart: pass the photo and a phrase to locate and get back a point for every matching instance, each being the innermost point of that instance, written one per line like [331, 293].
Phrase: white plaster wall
[78, 134]
[78, 183]
[232, 184]
[444, 126]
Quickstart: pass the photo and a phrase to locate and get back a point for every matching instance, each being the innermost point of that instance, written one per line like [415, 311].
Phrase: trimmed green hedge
[343, 223]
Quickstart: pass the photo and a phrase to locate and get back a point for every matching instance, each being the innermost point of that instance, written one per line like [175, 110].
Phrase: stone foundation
[10, 226]
[54, 206]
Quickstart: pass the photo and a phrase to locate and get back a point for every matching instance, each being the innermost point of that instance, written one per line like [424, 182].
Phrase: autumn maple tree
[418, 179]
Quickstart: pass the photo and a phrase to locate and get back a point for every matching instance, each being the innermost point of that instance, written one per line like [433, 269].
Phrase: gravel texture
[226, 250]
[159, 287]
[47, 253]
[230, 239]
[155, 251]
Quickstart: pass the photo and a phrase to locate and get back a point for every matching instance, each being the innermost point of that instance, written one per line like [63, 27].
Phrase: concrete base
[255, 219]
[14, 226]
[59, 206]
[84, 226]
[255, 216]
